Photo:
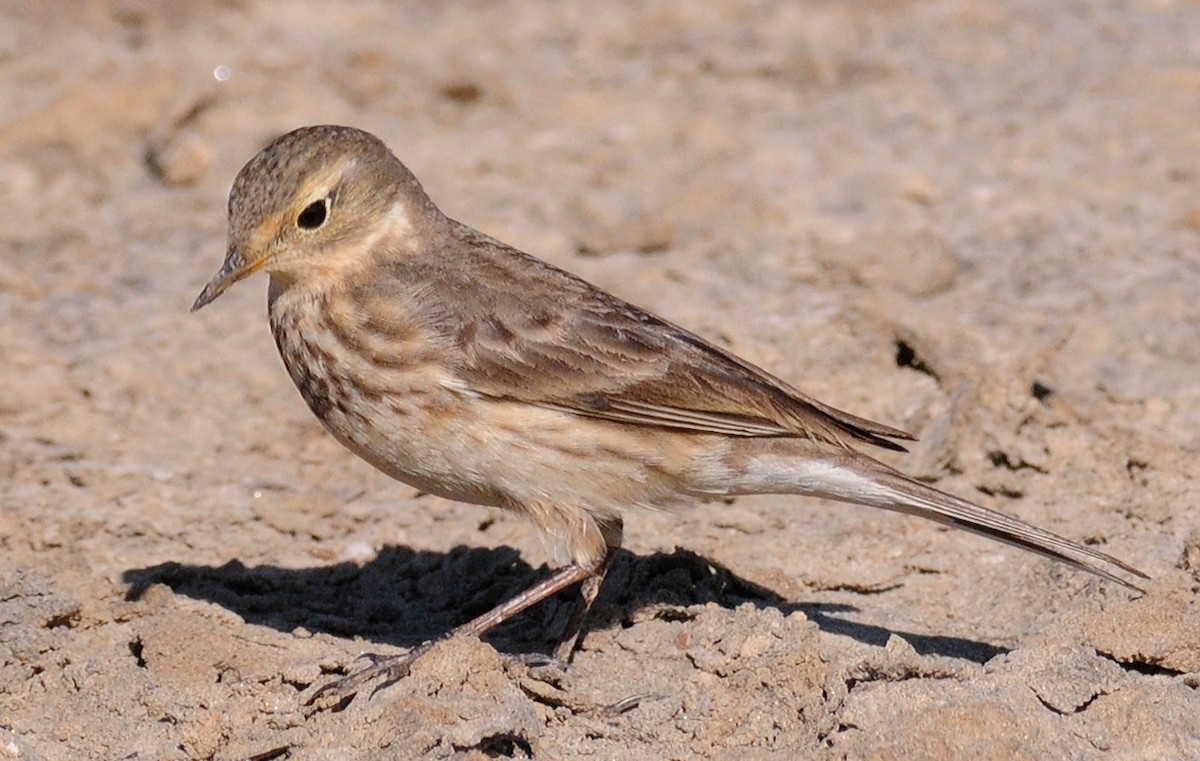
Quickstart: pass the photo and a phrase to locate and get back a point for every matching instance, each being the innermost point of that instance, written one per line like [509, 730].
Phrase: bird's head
[312, 202]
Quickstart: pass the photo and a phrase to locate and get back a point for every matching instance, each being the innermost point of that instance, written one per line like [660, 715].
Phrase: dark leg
[396, 667]
[588, 590]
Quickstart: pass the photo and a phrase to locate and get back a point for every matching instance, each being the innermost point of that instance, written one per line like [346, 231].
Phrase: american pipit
[474, 371]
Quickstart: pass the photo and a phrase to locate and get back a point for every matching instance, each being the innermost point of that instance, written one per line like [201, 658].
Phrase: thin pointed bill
[234, 269]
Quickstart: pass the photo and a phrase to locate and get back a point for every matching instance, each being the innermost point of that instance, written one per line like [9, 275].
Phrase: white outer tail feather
[859, 479]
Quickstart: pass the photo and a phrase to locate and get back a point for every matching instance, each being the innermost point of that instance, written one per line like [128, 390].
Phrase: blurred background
[978, 221]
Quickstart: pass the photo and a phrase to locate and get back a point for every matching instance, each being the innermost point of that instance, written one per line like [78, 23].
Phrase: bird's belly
[419, 424]
[521, 456]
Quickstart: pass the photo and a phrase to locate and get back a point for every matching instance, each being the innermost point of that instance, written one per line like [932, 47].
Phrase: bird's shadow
[405, 597]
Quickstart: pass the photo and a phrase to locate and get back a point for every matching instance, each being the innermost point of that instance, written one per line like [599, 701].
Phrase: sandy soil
[978, 221]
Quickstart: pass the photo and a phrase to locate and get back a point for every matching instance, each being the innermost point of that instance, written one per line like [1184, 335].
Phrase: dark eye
[313, 215]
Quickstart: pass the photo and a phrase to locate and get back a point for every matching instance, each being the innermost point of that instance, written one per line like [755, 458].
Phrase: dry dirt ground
[975, 220]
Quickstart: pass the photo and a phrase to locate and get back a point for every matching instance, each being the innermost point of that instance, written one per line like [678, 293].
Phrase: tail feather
[883, 487]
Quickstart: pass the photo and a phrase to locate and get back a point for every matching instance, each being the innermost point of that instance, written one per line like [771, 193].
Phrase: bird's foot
[537, 661]
[390, 668]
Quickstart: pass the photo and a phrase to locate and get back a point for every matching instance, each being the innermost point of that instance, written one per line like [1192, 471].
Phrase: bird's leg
[396, 667]
[588, 590]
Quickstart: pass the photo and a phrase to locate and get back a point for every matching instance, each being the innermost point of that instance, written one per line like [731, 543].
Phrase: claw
[538, 661]
[389, 669]
[628, 704]
[392, 668]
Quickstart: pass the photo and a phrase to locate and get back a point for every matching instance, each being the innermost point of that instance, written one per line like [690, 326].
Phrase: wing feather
[592, 354]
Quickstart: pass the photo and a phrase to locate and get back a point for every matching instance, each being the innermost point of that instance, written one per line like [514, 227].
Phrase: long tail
[854, 477]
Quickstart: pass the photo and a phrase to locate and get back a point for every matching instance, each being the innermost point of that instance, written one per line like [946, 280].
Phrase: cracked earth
[976, 221]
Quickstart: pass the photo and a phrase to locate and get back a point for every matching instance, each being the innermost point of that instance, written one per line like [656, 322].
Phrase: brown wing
[587, 352]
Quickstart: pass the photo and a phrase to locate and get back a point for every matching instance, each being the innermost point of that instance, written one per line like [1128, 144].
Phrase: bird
[474, 371]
